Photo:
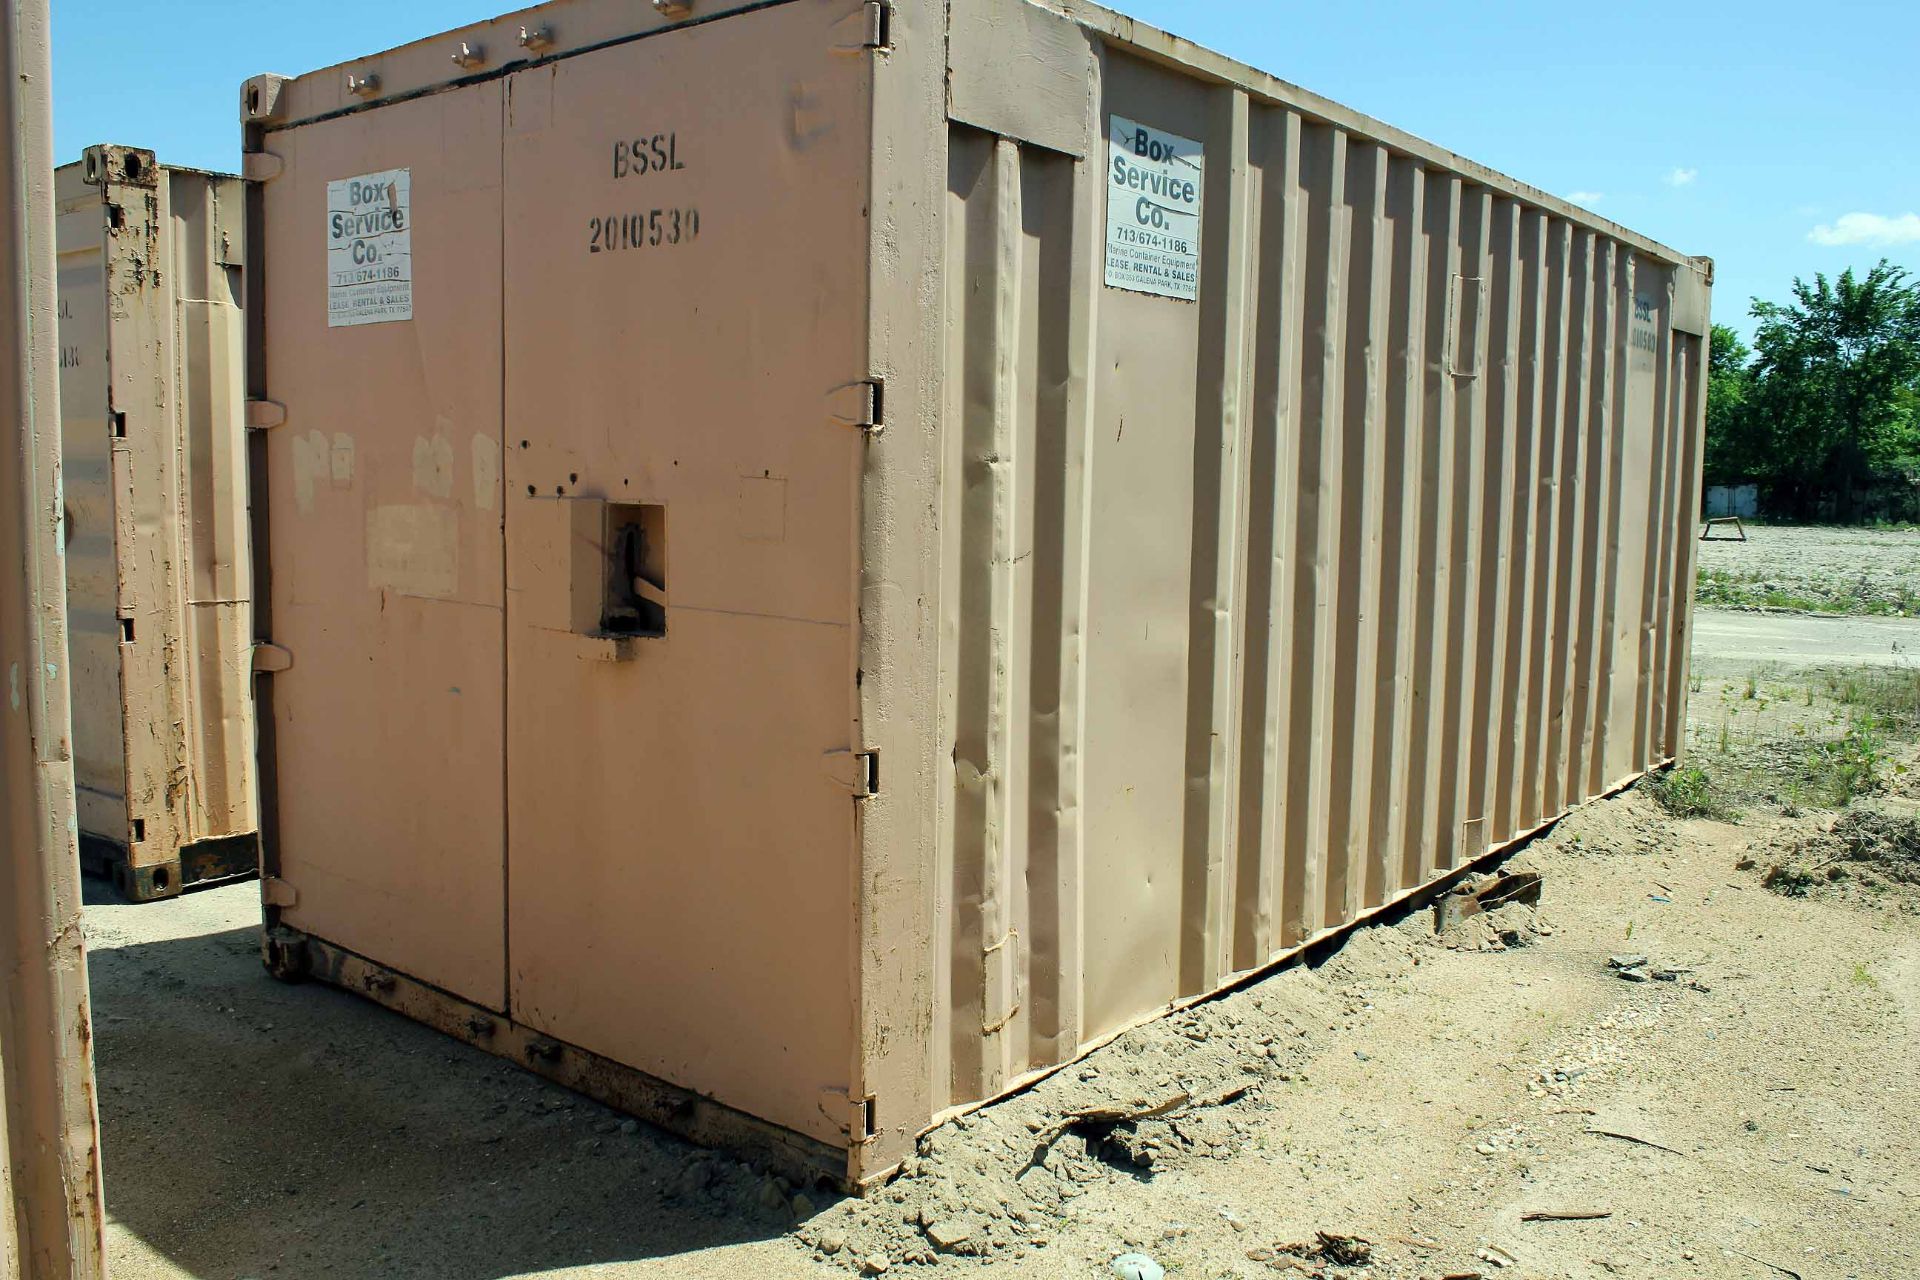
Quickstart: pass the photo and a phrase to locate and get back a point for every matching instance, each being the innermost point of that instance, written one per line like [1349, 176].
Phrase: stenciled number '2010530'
[642, 230]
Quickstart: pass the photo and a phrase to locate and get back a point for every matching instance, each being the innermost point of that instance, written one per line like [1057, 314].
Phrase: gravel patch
[1816, 568]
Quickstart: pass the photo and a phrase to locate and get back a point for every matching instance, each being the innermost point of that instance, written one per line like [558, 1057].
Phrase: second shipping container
[154, 468]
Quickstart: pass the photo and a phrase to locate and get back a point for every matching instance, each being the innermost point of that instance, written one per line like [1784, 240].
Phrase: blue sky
[1781, 138]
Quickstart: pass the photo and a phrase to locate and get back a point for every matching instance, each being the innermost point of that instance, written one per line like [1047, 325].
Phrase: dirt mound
[1631, 824]
[999, 1183]
[1868, 853]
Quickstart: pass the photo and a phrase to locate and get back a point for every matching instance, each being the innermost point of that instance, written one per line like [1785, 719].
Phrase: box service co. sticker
[1154, 181]
[370, 248]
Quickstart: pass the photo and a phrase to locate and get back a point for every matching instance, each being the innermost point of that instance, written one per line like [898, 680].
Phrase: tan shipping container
[159, 581]
[828, 557]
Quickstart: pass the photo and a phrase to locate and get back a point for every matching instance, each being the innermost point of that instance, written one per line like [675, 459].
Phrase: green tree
[1733, 455]
[1834, 375]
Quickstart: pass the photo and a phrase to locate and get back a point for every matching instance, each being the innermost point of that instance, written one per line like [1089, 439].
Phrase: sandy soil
[1753, 1117]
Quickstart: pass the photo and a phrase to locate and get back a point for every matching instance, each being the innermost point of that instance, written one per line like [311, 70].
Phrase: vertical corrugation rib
[1358, 611]
[982, 969]
[1599, 537]
[1399, 395]
[1496, 562]
[1019, 255]
[1323, 179]
[1545, 642]
[1275, 147]
[1667, 421]
[970, 294]
[1084, 227]
[1689, 396]
[1048, 589]
[1466, 382]
[1602, 731]
[1220, 459]
[1680, 587]
[993, 464]
[1573, 433]
[1440, 252]
[1511, 814]
[1651, 696]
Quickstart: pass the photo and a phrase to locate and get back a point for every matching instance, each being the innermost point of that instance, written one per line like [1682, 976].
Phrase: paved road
[1729, 642]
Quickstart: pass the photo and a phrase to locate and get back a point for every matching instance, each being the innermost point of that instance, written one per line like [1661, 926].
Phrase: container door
[383, 302]
[685, 286]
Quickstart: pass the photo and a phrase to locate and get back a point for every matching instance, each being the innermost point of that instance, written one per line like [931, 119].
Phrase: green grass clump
[1690, 792]
[1850, 767]
[1890, 695]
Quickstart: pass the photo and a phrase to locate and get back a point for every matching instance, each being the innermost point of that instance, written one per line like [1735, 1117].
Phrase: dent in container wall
[1103, 519]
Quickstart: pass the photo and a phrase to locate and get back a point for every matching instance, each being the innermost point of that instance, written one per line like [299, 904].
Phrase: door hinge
[859, 404]
[855, 1115]
[869, 27]
[275, 892]
[268, 658]
[857, 771]
[262, 414]
[261, 166]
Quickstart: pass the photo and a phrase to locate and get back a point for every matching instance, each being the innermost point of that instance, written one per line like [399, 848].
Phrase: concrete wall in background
[1741, 500]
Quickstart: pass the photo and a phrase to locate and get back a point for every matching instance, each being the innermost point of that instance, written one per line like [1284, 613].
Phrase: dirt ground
[1754, 1115]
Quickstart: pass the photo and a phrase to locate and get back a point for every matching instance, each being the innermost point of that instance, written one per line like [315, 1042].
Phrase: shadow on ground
[252, 1128]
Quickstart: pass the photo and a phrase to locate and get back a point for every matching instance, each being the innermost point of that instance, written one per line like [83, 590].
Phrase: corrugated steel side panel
[158, 566]
[1263, 611]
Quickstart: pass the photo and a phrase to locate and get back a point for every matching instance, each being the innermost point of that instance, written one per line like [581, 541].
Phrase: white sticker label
[370, 248]
[1153, 210]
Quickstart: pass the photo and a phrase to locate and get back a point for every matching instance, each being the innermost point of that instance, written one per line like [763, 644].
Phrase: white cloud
[1868, 228]
[1679, 177]
[1586, 197]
